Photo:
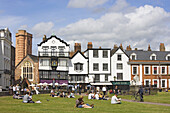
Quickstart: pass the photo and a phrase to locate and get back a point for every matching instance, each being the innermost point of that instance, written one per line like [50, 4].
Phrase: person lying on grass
[80, 103]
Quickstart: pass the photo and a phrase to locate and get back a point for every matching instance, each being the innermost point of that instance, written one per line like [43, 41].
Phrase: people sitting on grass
[80, 103]
[71, 95]
[27, 98]
[52, 93]
[115, 100]
[91, 95]
[101, 97]
[17, 96]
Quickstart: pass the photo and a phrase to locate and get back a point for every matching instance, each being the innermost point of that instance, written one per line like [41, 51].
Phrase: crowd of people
[97, 93]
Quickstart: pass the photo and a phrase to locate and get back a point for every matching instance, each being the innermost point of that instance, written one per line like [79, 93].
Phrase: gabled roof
[113, 51]
[52, 37]
[145, 55]
[77, 53]
[33, 57]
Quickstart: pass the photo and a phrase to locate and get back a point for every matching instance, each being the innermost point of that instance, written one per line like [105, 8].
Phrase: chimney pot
[89, 45]
[162, 47]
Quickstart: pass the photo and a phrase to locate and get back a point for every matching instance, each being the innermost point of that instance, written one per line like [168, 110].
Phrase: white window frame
[165, 83]
[157, 70]
[147, 80]
[136, 70]
[165, 70]
[153, 55]
[132, 55]
[149, 70]
[157, 82]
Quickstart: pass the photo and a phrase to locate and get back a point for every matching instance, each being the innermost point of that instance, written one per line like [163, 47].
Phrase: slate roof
[145, 55]
[33, 57]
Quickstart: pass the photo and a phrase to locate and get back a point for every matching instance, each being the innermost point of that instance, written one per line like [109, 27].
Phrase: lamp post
[58, 78]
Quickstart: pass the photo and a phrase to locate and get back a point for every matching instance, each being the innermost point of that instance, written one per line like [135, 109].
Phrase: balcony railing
[54, 54]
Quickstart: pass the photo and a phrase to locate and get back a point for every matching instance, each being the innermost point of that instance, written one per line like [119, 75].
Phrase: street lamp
[58, 78]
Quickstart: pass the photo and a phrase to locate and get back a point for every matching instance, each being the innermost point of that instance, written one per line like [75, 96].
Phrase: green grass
[66, 105]
[161, 97]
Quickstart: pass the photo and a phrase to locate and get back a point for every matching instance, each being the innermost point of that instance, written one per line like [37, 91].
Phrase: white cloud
[85, 3]
[141, 26]
[42, 28]
[10, 21]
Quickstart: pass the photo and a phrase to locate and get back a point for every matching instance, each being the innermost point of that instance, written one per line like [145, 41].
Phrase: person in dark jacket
[140, 91]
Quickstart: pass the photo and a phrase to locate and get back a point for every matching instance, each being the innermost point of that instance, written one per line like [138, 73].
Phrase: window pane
[95, 67]
[95, 53]
[119, 57]
[119, 66]
[105, 54]
[119, 76]
[105, 67]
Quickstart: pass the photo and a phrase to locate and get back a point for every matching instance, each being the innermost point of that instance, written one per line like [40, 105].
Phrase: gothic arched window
[27, 70]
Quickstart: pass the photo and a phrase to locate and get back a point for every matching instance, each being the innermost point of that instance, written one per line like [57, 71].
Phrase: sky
[102, 22]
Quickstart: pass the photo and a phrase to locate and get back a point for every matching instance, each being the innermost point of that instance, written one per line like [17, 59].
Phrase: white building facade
[99, 66]
[5, 58]
[120, 69]
[53, 60]
[78, 69]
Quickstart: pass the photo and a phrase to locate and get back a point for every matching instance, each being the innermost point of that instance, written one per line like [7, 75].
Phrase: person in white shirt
[115, 100]
[97, 96]
[90, 95]
[14, 89]
[104, 90]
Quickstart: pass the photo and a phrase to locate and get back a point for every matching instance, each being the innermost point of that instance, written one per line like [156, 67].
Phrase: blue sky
[104, 22]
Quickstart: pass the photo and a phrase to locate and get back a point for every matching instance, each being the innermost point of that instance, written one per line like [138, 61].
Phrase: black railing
[54, 54]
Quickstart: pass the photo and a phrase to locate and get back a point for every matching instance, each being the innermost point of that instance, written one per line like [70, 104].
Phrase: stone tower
[23, 45]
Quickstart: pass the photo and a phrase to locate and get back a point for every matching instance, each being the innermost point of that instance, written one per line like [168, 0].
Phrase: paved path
[162, 104]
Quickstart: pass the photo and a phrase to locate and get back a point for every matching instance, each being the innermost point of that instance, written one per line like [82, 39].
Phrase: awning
[120, 82]
[108, 83]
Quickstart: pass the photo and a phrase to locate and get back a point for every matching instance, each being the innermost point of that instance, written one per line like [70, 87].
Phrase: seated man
[27, 98]
[52, 93]
[115, 100]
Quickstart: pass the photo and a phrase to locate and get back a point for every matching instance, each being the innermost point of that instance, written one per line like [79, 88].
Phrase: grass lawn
[66, 105]
[161, 97]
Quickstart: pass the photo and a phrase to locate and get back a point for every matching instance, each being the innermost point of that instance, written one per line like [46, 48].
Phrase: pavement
[162, 104]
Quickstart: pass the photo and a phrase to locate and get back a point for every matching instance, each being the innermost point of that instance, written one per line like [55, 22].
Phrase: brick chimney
[162, 47]
[115, 46]
[77, 47]
[121, 46]
[44, 38]
[149, 48]
[136, 49]
[89, 45]
[128, 48]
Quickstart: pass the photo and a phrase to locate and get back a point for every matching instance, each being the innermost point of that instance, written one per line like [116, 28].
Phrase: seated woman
[101, 97]
[52, 93]
[71, 95]
[80, 103]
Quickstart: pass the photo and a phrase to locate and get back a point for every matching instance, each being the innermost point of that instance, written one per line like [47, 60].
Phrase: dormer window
[133, 56]
[168, 57]
[78, 67]
[153, 57]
